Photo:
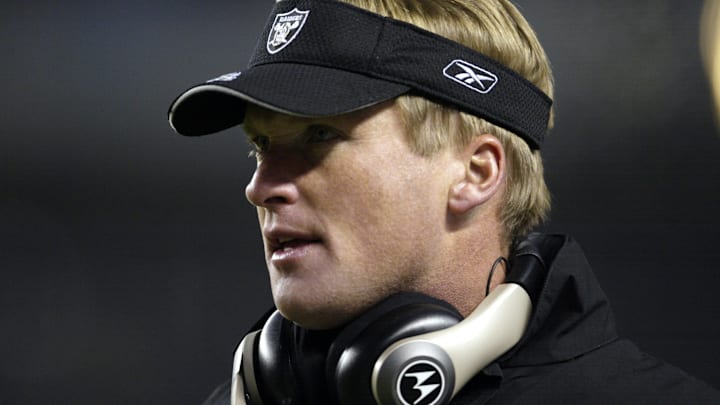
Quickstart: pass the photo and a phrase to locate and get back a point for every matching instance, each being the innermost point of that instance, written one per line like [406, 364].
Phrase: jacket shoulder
[617, 373]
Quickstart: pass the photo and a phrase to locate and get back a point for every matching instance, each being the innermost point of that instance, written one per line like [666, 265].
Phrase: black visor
[319, 58]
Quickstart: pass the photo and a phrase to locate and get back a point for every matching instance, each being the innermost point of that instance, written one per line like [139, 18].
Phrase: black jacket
[571, 353]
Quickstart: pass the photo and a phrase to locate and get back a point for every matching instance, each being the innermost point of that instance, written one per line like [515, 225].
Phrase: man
[398, 172]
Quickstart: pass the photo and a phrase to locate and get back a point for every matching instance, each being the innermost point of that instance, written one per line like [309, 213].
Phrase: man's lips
[293, 249]
[285, 243]
[292, 244]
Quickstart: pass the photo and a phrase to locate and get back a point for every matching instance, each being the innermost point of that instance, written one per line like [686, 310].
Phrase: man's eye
[318, 134]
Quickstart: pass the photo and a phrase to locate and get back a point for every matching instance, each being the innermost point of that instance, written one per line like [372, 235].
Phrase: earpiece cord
[492, 271]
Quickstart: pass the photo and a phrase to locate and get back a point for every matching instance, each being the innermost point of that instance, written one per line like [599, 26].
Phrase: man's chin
[315, 317]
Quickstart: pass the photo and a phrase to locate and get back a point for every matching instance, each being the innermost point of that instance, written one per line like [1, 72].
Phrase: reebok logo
[228, 77]
[470, 76]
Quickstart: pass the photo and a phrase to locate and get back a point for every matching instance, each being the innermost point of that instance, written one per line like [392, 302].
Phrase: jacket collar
[572, 315]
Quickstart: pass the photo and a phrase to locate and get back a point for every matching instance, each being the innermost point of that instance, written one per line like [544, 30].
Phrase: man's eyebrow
[253, 132]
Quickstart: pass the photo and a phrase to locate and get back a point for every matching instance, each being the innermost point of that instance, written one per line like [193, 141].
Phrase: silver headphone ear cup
[456, 353]
[353, 354]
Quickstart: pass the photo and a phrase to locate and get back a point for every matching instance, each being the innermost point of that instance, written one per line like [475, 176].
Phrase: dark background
[130, 261]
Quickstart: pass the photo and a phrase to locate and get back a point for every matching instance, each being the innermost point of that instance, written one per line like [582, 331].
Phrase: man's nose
[273, 183]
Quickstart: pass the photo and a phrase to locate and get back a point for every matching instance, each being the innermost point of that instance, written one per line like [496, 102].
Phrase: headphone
[407, 349]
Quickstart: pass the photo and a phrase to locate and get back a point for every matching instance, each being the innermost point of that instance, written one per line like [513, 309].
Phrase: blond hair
[497, 29]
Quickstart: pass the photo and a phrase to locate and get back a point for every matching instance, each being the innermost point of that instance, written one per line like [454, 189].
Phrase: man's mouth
[287, 248]
[291, 243]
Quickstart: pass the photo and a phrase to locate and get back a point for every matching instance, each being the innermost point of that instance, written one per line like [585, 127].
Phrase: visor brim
[295, 89]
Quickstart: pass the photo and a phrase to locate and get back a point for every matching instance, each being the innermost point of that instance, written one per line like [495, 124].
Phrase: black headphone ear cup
[353, 354]
[274, 374]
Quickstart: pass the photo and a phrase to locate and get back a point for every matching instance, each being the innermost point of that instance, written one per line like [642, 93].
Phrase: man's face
[348, 212]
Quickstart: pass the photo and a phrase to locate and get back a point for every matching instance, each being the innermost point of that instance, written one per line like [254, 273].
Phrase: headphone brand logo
[470, 76]
[285, 29]
[420, 383]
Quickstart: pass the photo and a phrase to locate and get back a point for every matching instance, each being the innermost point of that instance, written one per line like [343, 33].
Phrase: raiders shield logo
[285, 29]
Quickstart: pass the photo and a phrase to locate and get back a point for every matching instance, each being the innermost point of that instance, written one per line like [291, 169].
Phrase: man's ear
[484, 160]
